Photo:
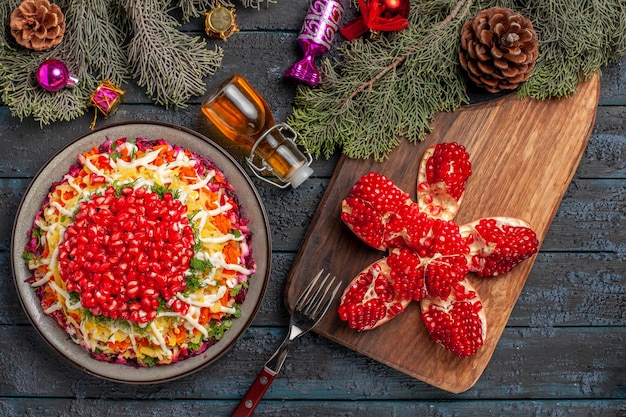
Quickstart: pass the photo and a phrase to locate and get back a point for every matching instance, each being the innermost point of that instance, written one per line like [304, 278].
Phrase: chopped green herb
[200, 265]
[120, 186]
[237, 288]
[194, 282]
[115, 156]
[150, 361]
[74, 297]
[161, 190]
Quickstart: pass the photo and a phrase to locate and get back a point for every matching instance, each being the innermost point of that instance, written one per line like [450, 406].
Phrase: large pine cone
[37, 24]
[498, 49]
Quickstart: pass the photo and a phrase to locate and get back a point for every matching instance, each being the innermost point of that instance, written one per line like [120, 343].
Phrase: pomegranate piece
[432, 268]
[370, 299]
[457, 322]
[498, 244]
[368, 205]
[364, 220]
[442, 175]
[408, 226]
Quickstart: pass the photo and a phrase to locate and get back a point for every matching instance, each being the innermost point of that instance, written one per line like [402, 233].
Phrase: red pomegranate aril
[118, 267]
[370, 299]
[132, 292]
[146, 304]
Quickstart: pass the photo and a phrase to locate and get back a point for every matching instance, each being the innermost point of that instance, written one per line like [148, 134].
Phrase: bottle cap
[300, 175]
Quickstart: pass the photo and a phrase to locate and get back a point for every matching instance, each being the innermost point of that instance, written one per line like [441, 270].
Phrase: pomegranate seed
[123, 254]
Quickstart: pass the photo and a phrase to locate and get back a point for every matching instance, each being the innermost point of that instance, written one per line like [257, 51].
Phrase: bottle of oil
[243, 117]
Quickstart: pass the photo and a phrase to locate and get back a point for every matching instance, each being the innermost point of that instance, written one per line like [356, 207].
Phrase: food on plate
[429, 256]
[141, 252]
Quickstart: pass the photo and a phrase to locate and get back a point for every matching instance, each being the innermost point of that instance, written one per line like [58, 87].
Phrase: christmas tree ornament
[241, 114]
[106, 99]
[219, 22]
[498, 49]
[37, 24]
[315, 38]
[378, 16]
[53, 75]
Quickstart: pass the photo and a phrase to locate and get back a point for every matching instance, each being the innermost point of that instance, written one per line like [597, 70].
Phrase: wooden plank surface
[573, 302]
[524, 154]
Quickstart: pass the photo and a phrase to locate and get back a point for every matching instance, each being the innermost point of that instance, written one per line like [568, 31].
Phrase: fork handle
[255, 393]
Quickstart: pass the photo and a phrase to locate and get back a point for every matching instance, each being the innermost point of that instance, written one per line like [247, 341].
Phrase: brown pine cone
[498, 49]
[37, 24]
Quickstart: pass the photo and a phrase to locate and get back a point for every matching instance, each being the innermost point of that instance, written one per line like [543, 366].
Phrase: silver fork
[308, 311]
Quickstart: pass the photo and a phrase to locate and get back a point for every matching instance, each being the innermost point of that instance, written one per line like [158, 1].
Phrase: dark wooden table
[563, 352]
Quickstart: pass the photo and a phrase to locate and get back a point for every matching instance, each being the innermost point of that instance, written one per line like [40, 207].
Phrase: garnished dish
[142, 253]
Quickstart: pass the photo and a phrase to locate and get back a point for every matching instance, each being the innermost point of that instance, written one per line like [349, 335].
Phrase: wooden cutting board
[524, 154]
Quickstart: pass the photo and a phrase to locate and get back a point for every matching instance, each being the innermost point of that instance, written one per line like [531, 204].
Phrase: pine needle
[196, 8]
[168, 63]
[381, 90]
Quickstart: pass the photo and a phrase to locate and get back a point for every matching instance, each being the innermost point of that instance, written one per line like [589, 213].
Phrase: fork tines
[314, 301]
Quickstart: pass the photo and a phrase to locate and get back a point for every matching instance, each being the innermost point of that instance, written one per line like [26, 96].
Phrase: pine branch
[196, 8]
[168, 63]
[399, 60]
[379, 91]
[91, 49]
[387, 89]
[96, 44]
[575, 40]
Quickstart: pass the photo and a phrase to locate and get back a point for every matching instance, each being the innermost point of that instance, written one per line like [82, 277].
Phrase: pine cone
[498, 49]
[37, 24]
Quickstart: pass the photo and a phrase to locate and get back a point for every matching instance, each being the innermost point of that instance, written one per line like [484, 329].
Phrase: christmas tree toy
[316, 35]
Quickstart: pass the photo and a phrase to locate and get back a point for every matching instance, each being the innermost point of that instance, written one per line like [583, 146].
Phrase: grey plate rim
[252, 207]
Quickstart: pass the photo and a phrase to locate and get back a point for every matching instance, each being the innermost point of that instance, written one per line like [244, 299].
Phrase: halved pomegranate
[371, 299]
[498, 244]
[444, 169]
[457, 322]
